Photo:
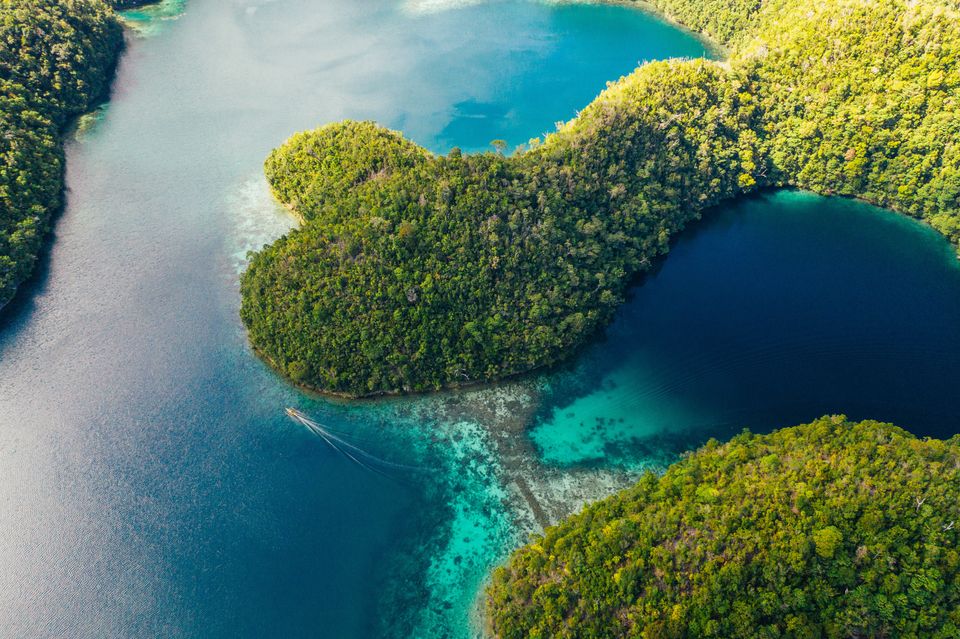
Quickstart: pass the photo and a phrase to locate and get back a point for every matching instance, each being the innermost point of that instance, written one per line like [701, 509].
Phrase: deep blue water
[150, 484]
[776, 310]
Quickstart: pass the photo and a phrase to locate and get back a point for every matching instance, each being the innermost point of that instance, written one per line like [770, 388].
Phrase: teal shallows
[150, 19]
[152, 485]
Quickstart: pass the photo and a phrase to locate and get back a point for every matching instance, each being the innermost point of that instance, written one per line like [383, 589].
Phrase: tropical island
[414, 272]
[830, 529]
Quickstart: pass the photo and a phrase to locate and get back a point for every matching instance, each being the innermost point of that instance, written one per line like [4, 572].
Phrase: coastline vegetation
[831, 529]
[56, 61]
[423, 271]
[414, 272]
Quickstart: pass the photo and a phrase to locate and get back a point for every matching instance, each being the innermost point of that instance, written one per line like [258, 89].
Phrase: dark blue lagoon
[150, 482]
[777, 309]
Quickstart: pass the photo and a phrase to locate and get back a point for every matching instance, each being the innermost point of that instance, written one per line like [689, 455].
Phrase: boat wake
[349, 450]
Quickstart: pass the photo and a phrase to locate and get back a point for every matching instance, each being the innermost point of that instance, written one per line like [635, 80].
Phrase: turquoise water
[151, 483]
[151, 19]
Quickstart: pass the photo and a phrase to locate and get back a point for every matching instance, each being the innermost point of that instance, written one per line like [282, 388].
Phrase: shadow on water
[18, 311]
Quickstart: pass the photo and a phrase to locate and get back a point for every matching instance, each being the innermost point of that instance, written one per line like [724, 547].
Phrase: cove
[774, 310]
[152, 485]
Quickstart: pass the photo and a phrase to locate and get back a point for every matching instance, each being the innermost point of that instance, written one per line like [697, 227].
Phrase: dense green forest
[831, 529]
[56, 60]
[414, 272]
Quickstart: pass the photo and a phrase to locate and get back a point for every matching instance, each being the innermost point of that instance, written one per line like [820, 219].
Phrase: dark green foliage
[861, 99]
[832, 529]
[415, 272]
[56, 57]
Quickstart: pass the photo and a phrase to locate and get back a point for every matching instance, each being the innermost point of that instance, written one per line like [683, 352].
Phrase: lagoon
[152, 484]
[778, 308]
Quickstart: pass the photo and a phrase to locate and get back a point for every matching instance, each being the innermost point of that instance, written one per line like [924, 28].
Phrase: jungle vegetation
[828, 530]
[56, 60]
[414, 272]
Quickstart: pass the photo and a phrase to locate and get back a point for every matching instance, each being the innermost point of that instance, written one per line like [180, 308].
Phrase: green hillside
[832, 529]
[414, 272]
[56, 61]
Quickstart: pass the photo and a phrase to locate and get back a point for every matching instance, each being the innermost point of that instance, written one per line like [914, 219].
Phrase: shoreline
[62, 122]
[722, 63]
[537, 494]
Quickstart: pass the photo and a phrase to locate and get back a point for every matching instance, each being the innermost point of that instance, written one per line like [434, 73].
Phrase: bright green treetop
[415, 272]
[828, 530]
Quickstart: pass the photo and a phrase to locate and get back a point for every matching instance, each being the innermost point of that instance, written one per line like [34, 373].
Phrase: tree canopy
[414, 272]
[828, 530]
[56, 60]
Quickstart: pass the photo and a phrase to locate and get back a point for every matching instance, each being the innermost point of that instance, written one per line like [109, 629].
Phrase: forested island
[56, 62]
[413, 271]
[831, 529]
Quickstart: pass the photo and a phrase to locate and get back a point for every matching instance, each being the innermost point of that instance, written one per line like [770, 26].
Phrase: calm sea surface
[150, 483]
